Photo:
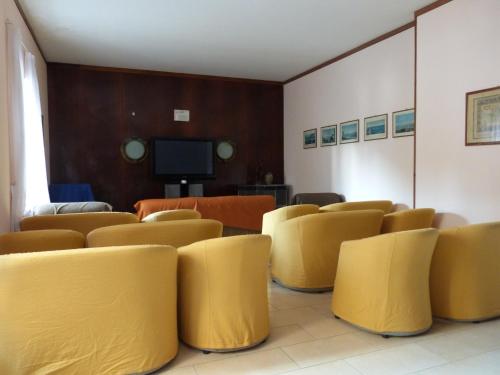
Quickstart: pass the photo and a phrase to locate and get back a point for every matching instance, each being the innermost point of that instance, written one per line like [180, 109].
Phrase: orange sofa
[239, 211]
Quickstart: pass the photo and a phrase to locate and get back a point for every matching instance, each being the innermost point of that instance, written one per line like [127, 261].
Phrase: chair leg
[386, 336]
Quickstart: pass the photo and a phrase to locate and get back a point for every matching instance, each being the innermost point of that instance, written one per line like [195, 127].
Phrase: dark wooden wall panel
[91, 114]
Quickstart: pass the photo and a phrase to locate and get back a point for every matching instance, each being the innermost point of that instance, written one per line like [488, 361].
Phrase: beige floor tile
[398, 360]
[462, 343]
[327, 327]
[484, 364]
[331, 349]
[316, 324]
[304, 333]
[333, 368]
[272, 308]
[176, 371]
[296, 315]
[262, 363]
[323, 309]
[284, 336]
[282, 298]
[190, 357]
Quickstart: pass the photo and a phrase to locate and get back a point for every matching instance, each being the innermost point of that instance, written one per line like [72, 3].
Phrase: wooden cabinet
[281, 193]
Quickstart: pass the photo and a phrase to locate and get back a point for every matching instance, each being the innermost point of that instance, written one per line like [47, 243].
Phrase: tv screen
[183, 158]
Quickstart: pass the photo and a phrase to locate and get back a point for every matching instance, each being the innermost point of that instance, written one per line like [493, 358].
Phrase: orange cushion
[238, 211]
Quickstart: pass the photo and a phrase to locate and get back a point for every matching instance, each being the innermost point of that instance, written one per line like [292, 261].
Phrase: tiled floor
[306, 339]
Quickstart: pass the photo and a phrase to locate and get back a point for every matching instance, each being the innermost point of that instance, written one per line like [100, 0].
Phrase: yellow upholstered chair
[271, 219]
[88, 311]
[385, 206]
[382, 282]
[306, 248]
[180, 214]
[175, 233]
[419, 218]
[40, 240]
[223, 304]
[81, 222]
[465, 273]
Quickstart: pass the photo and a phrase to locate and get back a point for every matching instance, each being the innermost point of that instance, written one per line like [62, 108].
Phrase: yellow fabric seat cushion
[306, 248]
[382, 282]
[175, 233]
[80, 222]
[419, 218]
[465, 273]
[223, 302]
[88, 311]
[180, 214]
[384, 205]
[40, 240]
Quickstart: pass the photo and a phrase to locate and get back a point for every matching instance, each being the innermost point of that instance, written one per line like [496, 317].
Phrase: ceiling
[258, 39]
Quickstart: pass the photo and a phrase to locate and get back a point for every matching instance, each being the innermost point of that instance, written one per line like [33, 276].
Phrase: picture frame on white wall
[375, 127]
[482, 117]
[328, 136]
[309, 138]
[349, 131]
[403, 123]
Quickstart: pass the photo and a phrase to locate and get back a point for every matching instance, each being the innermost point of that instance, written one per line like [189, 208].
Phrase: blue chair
[70, 193]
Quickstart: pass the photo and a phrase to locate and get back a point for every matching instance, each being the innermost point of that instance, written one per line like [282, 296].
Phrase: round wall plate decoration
[134, 150]
[225, 150]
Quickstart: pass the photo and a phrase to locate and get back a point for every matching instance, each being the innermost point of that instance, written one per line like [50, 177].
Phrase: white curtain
[28, 174]
[35, 171]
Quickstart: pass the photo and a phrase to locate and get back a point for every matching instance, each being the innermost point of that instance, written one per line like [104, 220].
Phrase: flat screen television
[183, 158]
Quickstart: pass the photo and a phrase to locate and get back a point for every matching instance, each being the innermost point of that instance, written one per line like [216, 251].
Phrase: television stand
[183, 190]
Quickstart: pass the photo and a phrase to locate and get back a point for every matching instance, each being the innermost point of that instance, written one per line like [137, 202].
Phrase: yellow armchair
[88, 311]
[40, 240]
[270, 220]
[419, 218]
[180, 214]
[175, 233]
[80, 222]
[223, 303]
[384, 205]
[465, 273]
[306, 248]
[382, 282]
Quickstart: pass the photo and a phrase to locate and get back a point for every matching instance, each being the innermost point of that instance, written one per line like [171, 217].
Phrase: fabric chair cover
[385, 206]
[306, 248]
[465, 273]
[223, 303]
[40, 240]
[180, 214]
[80, 222]
[88, 311]
[382, 282]
[175, 233]
[419, 218]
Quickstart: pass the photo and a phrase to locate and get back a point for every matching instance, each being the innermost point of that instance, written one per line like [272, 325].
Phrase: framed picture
[482, 117]
[349, 131]
[403, 123]
[310, 138]
[328, 135]
[375, 127]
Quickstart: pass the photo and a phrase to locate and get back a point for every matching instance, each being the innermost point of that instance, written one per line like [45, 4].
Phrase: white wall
[458, 51]
[8, 11]
[376, 80]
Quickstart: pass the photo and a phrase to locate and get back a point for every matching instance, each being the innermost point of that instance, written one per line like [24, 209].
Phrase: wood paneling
[91, 114]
